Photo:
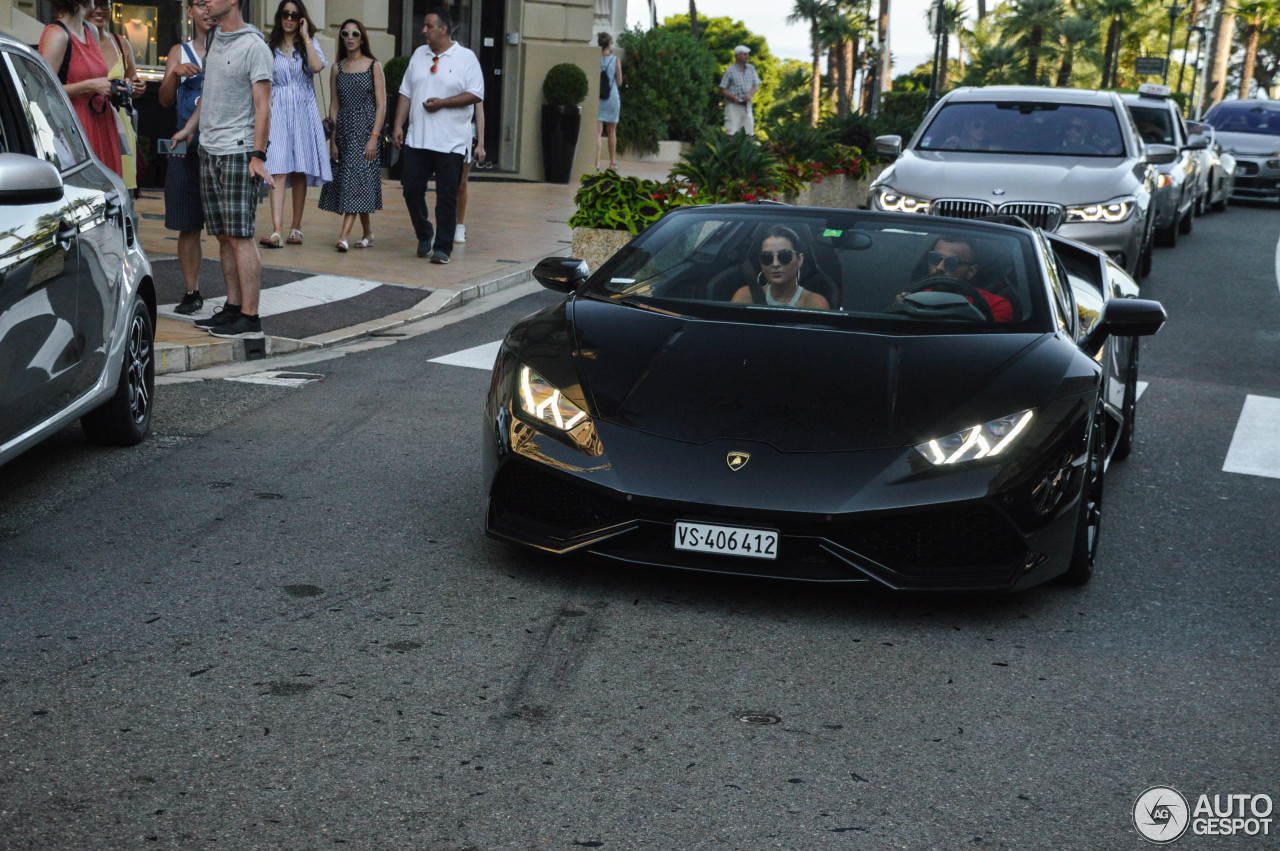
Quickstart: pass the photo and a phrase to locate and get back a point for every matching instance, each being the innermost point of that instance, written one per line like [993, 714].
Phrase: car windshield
[1025, 128]
[1243, 118]
[1154, 124]
[773, 264]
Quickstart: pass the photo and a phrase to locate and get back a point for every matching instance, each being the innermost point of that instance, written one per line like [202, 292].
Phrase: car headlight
[896, 202]
[543, 402]
[980, 441]
[1115, 210]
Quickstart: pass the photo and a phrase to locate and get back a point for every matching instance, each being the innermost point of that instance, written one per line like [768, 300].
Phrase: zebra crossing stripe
[477, 357]
[1255, 446]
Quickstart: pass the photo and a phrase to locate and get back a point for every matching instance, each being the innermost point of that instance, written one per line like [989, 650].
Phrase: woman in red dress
[86, 81]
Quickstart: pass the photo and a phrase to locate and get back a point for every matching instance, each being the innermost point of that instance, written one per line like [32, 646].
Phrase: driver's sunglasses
[949, 261]
[350, 33]
[785, 256]
[291, 16]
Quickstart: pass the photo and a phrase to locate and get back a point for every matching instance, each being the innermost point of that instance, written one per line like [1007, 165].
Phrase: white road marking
[1141, 388]
[308, 292]
[1255, 446]
[277, 378]
[477, 357]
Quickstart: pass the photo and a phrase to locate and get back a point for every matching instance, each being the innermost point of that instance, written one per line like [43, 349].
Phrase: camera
[122, 95]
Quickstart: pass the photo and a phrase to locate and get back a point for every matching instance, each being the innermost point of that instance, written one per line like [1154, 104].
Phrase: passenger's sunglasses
[949, 262]
[785, 256]
[291, 16]
[350, 33]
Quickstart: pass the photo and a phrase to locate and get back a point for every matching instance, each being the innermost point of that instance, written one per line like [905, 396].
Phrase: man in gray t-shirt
[234, 118]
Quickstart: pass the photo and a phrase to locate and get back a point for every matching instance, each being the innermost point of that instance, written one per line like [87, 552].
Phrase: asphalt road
[277, 624]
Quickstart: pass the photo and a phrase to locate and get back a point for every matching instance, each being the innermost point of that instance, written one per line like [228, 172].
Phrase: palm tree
[1074, 33]
[996, 65]
[1224, 31]
[815, 12]
[1260, 14]
[1030, 21]
[841, 31]
[693, 17]
[955, 14]
[1114, 13]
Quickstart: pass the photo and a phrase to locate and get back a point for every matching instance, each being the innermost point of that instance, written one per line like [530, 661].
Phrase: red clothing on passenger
[100, 128]
[1000, 306]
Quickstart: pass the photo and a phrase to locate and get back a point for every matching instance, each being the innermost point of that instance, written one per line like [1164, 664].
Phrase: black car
[907, 428]
[77, 301]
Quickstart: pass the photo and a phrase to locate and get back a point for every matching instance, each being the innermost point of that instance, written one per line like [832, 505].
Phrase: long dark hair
[277, 30]
[364, 40]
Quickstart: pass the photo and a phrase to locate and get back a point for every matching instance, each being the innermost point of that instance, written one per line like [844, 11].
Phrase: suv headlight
[980, 441]
[896, 202]
[542, 401]
[1115, 210]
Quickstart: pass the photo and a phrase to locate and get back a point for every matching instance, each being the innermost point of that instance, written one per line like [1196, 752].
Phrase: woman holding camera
[70, 46]
[120, 66]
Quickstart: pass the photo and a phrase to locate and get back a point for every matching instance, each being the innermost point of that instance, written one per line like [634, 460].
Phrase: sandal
[367, 242]
[295, 237]
[272, 241]
[341, 245]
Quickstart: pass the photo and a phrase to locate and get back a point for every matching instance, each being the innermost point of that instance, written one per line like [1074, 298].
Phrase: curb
[173, 358]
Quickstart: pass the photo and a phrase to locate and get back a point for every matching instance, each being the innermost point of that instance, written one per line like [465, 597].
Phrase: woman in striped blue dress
[297, 155]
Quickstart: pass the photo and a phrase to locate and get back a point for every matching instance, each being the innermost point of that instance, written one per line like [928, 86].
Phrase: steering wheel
[944, 284]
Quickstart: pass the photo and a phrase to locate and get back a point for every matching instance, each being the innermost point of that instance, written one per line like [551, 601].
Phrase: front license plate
[726, 540]
[1241, 170]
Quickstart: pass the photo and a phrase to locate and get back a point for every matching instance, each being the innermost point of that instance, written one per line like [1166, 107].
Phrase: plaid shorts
[228, 194]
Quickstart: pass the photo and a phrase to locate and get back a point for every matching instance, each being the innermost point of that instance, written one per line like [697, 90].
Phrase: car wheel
[1144, 260]
[1124, 440]
[1167, 237]
[125, 418]
[1089, 522]
[1220, 206]
[1184, 224]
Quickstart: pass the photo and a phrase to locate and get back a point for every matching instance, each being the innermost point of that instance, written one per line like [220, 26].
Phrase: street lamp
[1195, 69]
[1174, 11]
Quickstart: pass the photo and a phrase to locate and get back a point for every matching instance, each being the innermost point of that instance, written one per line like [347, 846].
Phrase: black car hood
[798, 388]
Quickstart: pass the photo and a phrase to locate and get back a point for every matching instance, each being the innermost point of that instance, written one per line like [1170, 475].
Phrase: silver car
[1250, 130]
[1065, 160]
[1159, 121]
[1218, 169]
[77, 305]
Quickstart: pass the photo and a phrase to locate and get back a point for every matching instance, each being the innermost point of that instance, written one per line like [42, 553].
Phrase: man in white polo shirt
[439, 92]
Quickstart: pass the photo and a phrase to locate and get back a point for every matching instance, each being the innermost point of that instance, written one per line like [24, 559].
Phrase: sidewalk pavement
[315, 296]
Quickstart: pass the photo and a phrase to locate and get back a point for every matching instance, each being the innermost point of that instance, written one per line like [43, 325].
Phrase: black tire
[125, 418]
[1144, 260]
[1124, 440]
[1220, 206]
[1184, 224]
[1167, 237]
[1089, 522]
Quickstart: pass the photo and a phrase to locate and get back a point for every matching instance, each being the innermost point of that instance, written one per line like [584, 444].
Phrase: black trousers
[421, 165]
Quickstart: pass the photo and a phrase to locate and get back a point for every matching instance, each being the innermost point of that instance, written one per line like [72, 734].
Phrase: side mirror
[1159, 154]
[1197, 143]
[889, 146]
[1125, 317]
[27, 180]
[562, 274]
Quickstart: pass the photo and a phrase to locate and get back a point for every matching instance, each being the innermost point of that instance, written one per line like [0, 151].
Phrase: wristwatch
[261, 155]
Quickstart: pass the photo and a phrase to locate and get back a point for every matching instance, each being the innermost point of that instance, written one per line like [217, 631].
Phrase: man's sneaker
[221, 316]
[424, 247]
[460, 233]
[241, 328]
[440, 257]
[191, 303]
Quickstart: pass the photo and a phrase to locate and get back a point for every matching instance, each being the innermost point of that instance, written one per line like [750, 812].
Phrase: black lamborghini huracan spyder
[927, 423]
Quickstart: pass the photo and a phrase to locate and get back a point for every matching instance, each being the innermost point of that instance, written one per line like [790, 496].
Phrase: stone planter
[596, 245]
[837, 190]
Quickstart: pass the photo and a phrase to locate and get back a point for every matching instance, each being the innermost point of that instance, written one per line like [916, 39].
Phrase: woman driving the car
[778, 283]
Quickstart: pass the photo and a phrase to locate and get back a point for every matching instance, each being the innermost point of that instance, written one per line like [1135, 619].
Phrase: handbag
[605, 86]
[326, 122]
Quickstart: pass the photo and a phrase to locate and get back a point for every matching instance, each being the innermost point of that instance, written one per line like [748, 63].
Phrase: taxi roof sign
[1154, 90]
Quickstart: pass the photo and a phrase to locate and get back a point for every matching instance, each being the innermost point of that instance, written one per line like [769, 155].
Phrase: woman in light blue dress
[297, 150]
[610, 66]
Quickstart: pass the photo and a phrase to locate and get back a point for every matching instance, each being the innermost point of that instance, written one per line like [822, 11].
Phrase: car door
[40, 273]
[96, 210]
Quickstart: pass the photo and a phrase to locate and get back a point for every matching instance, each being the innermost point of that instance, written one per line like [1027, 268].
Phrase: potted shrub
[564, 87]
[613, 208]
